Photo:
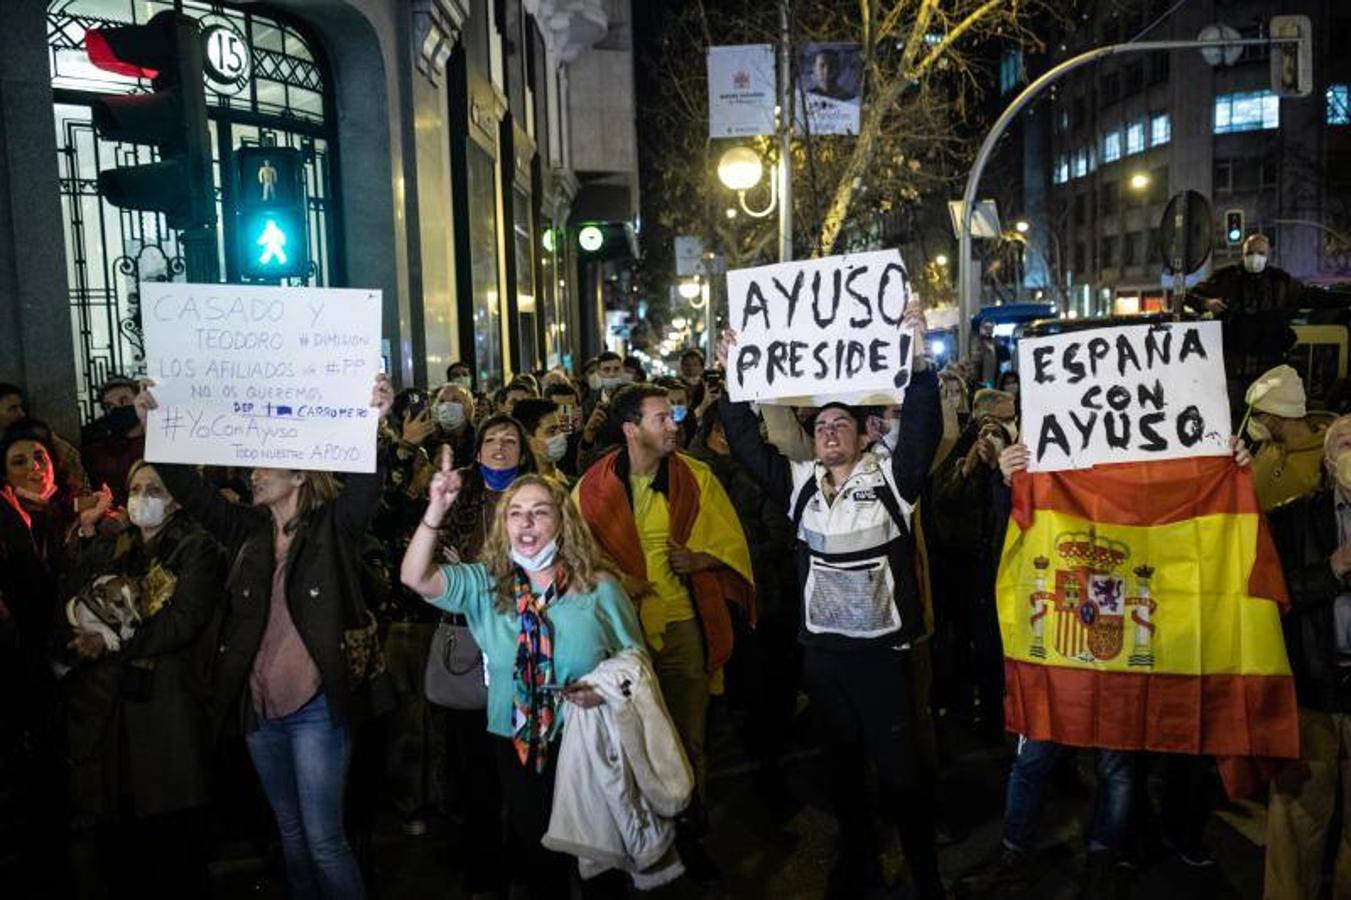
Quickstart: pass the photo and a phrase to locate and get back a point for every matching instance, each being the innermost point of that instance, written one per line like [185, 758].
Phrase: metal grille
[110, 251]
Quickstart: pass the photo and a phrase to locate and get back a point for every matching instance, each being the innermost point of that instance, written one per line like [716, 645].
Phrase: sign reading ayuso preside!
[820, 328]
[1128, 394]
[262, 376]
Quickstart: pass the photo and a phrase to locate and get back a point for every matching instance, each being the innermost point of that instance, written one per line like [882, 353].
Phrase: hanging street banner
[805, 329]
[1137, 393]
[262, 376]
[741, 91]
[829, 84]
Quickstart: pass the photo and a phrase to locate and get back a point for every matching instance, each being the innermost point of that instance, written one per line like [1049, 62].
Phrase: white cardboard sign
[1128, 394]
[821, 329]
[262, 376]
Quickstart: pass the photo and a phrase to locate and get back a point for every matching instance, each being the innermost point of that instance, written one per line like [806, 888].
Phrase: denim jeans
[302, 761]
[1027, 780]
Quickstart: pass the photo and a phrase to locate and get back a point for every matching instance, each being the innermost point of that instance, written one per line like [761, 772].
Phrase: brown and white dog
[107, 607]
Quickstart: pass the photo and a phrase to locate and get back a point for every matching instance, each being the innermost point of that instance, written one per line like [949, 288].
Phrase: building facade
[449, 157]
[1096, 161]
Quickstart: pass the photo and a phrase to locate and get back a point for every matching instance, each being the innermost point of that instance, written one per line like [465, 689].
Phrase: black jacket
[136, 719]
[1305, 531]
[323, 588]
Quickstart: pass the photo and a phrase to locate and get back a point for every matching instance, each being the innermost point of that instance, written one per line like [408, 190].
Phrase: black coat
[137, 719]
[324, 590]
[1305, 531]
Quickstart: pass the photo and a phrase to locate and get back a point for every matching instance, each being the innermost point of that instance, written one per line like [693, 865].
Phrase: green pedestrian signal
[271, 238]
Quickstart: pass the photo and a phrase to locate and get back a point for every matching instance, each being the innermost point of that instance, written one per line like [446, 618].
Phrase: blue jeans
[302, 761]
[1111, 797]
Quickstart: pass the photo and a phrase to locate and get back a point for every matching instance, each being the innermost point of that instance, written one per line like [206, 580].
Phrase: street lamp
[689, 289]
[1139, 181]
[1022, 226]
[941, 259]
[741, 169]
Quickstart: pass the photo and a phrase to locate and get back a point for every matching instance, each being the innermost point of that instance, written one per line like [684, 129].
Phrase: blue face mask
[498, 479]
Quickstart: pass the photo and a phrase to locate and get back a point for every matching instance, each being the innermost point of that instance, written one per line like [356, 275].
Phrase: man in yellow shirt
[1288, 459]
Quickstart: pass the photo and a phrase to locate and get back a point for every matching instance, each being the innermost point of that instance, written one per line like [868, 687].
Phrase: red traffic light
[139, 51]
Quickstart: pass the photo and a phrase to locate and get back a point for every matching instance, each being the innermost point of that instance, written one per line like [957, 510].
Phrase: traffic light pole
[200, 261]
[964, 287]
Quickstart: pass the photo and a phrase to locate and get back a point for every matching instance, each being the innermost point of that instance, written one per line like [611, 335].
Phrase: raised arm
[419, 571]
[921, 417]
[770, 469]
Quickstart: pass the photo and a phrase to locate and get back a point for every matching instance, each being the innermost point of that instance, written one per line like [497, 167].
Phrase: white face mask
[893, 435]
[613, 383]
[449, 415]
[543, 558]
[147, 512]
[556, 447]
[1255, 263]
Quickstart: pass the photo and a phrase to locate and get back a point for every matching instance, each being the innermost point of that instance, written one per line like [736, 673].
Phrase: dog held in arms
[107, 607]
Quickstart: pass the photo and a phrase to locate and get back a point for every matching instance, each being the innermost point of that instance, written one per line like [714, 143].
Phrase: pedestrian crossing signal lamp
[1233, 227]
[172, 118]
[271, 238]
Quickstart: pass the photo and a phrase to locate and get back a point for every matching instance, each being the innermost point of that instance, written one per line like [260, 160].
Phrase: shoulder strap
[888, 497]
[804, 497]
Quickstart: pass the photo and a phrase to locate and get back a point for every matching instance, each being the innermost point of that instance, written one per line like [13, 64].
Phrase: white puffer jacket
[622, 778]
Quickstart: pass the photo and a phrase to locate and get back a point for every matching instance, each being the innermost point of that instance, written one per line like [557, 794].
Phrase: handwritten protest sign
[1128, 394]
[820, 329]
[262, 376]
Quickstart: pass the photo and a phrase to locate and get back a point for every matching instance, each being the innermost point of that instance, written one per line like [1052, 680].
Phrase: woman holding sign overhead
[297, 668]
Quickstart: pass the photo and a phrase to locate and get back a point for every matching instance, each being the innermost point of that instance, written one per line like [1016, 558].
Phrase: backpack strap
[809, 490]
[888, 497]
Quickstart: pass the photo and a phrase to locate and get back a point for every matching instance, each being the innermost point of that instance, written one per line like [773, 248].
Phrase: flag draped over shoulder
[1139, 605]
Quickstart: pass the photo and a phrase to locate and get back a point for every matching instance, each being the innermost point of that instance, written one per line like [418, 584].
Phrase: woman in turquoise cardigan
[545, 613]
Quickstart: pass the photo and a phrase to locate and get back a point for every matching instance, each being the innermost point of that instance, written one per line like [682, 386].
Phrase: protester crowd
[524, 614]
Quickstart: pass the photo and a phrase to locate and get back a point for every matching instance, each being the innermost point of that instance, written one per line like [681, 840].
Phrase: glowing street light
[941, 259]
[689, 289]
[1022, 226]
[1139, 181]
[740, 169]
[679, 323]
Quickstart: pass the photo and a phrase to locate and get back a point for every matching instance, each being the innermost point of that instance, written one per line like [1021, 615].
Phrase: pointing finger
[447, 458]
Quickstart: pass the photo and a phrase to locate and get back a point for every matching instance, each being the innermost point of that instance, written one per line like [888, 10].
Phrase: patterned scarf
[533, 707]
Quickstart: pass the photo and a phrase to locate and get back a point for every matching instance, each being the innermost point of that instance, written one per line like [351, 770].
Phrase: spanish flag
[1139, 605]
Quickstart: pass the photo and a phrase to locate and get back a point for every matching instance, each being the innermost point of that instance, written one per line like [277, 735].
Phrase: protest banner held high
[821, 328]
[262, 376]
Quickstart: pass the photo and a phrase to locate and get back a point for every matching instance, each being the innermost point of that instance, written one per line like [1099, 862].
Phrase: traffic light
[1233, 227]
[271, 238]
[1291, 63]
[172, 118]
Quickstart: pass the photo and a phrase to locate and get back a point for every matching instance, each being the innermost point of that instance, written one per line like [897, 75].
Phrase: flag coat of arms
[1139, 605]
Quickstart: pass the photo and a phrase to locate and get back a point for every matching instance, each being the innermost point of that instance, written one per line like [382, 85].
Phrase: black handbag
[454, 675]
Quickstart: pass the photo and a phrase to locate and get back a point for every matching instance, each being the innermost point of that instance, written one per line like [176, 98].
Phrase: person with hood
[1288, 439]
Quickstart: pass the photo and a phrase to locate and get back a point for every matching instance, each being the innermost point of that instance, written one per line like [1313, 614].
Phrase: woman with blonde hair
[294, 670]
[545, 612]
